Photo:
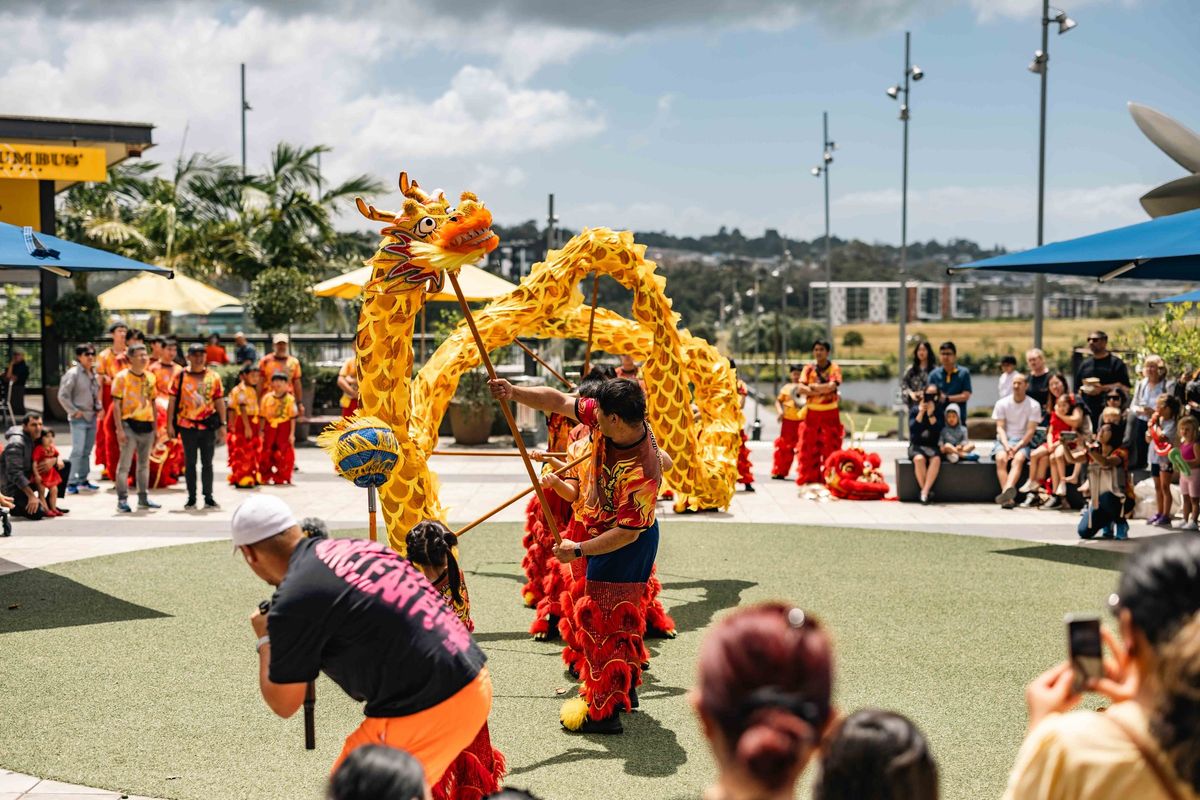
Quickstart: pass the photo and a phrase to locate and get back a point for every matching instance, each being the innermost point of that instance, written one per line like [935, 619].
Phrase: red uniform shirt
[618, 486]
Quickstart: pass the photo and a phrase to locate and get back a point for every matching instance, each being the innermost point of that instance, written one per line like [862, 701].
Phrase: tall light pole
[245, 108]
[913, 72]
[827, 148]
[550, 220]
[1040, 66]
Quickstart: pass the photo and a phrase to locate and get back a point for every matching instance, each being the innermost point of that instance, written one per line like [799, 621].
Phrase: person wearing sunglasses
[79, 393]
[1098, 375]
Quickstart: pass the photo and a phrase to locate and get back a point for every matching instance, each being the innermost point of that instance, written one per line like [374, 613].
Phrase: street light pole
[550, 220]
[245, 108]
[827, 155]
[900, 91]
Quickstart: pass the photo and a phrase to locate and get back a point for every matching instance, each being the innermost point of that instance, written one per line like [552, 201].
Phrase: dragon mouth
[471, 234]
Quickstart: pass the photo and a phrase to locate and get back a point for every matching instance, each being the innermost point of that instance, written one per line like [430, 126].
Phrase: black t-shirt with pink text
[368, 619]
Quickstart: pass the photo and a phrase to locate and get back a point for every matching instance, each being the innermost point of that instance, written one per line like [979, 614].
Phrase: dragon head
[426, 238]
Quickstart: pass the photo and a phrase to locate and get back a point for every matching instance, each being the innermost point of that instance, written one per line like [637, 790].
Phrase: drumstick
[508, 415]
[539, 360]
[518, 496]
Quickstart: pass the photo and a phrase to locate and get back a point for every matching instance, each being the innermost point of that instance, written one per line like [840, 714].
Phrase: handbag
[1151, 756]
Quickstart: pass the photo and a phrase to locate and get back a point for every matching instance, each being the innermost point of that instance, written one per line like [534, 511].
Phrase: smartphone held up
[1084, 649]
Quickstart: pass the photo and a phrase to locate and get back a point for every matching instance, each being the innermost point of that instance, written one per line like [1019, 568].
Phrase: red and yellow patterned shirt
[269, 365]
[108, 363]
[618, 486]
[811, 375]
[134, 395]
[243, 401]
[198, 396]
[166, 375]
[277, 410]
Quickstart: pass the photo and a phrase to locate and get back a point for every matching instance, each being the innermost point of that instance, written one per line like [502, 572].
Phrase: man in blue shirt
[952, 381]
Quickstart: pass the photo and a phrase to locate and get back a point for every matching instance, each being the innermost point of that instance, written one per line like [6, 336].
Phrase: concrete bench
[964, 482]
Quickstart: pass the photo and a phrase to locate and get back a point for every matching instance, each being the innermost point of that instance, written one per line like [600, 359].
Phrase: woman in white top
[1145, 395]
[1146, 745]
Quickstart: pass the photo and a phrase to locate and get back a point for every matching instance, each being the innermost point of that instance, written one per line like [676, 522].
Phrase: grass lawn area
[879, 423]
[137, 671]
[988, 336]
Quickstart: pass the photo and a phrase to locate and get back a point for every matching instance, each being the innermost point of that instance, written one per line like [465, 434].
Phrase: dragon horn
[371, 212]
[411, 190]
[852, 430]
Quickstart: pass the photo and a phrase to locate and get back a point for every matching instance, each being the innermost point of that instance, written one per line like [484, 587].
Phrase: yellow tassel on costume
[574, 713]
[530, 600]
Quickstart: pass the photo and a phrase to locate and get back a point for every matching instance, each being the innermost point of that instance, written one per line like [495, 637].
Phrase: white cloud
[988, 10]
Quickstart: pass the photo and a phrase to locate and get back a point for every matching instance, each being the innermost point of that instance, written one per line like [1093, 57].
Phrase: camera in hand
[264, 607]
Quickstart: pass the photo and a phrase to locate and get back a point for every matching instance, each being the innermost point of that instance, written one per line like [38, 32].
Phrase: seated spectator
[952, 380]
[1110, 486]
[17, 478]
[763, 698]
[954, 443]
[47, 468]
[925, 429]
[379, 772]
[1146, 745]
[1066, 418]
[877, 755]
[1017, 418]
[1008, 368]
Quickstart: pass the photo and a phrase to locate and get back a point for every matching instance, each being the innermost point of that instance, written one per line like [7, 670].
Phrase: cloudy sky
[677, 115]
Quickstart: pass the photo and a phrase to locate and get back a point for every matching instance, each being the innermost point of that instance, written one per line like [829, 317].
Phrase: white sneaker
[1190, 526]
[952, 458]
[1029, 486]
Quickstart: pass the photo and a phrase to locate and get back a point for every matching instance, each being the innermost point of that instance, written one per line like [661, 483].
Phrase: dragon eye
[426, 225]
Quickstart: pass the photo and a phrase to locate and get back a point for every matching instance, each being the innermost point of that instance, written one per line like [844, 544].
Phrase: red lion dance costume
[853, 474]
[821, 433]
[546, 577]
[745, 474]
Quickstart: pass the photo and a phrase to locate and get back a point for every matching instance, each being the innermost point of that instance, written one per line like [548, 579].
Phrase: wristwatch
[579, 551]
[258, 646]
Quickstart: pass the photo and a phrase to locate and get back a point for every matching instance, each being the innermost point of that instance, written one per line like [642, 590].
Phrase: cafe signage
[52, 162]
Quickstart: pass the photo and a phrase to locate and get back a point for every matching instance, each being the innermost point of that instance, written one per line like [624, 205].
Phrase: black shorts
[1157, 468]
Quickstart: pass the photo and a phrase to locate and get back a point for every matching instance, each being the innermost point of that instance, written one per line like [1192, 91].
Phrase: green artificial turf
[137, 672]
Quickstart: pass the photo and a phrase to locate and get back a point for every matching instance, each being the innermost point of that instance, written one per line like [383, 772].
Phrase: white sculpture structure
[1183, 145]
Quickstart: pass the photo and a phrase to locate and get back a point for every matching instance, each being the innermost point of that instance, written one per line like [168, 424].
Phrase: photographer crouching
[368, 619]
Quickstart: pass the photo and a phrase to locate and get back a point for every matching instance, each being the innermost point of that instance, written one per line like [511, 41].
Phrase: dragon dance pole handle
[371, 513]
[518, 496]
[539, 360]
[508, 415]
[587, 354]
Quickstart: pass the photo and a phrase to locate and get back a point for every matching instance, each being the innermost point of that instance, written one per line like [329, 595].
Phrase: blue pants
[631, 564]
[1104, 513]
[83, 439]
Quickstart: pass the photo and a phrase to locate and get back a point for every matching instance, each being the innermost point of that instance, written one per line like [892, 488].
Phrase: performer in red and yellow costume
[790, 419]
[166, 459]
[617, 492]
[109, 362]
[279, 411]
[745, 472]
[546, 578]
[244, 439]
[478, 770]
[821, 433]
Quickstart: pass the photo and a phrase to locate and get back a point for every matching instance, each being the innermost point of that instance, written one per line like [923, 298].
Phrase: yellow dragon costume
[430, 236]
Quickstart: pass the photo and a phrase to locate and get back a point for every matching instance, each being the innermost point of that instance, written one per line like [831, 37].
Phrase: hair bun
[771, 744]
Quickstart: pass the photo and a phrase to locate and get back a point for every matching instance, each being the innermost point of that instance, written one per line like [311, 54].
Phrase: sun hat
[954, 407]
[279, 337]
[259, 518]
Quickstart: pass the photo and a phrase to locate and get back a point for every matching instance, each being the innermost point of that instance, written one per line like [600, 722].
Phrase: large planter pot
[471, 424]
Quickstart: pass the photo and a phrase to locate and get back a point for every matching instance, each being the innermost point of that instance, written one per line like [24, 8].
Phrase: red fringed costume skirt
[820, 436]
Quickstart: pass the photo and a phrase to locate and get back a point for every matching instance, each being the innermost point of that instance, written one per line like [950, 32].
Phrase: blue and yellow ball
[364, 450]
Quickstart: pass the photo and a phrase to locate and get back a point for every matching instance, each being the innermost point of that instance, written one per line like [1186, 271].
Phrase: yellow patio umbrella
[150, 292]
[477, 285]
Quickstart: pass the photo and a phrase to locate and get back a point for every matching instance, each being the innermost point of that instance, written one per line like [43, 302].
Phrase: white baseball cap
[260, 517]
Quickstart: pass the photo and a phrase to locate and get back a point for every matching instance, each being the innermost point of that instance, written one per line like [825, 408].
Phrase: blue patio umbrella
[1167, 248]
[24, 248]
[1187, 297]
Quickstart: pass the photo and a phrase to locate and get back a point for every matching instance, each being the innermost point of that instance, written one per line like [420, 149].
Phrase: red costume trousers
[745, 475]
[610, 624]
[820, 436]
[785, 447]
[475, 774]
[278, 457]
[244, 454]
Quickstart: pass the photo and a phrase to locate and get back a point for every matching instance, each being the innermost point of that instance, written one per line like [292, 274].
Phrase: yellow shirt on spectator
[134, 395]
[790, 409]
[1083, 755]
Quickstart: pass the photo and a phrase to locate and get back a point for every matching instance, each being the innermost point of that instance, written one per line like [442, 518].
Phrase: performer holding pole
[618, 487]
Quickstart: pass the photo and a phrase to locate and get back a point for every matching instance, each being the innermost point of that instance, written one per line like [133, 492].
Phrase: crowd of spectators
[1051, 429]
